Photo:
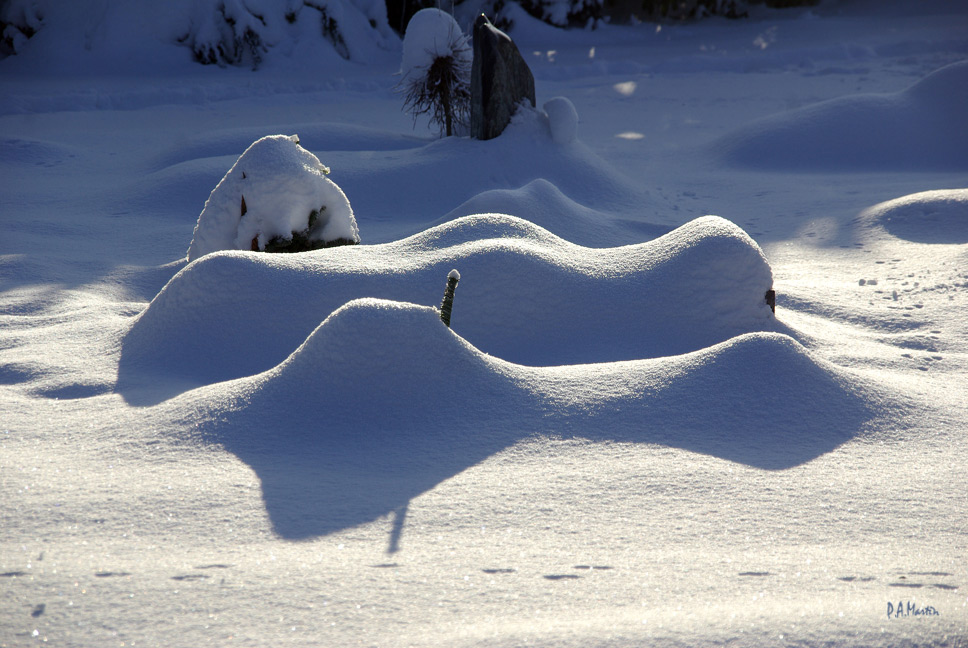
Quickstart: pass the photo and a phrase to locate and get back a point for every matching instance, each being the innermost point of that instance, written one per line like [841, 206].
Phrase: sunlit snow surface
[699, 285]
[616, 443]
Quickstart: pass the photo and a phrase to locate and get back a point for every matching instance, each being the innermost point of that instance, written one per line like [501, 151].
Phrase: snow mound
[920, 128]
[939, 216]
[432, 33]
[375, 364]
[544, 204]
[270, 193]
[562, 119]
[382, 392]
[434, 180]
[526, 296]
[386, 360]
[754, 399]
[401, 352]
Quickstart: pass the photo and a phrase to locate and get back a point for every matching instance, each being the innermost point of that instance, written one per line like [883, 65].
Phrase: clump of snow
[562, 119]
[270, 194]
[939, 216]
[536, 299]
[453, 274]
[920, 128]
[432, 34]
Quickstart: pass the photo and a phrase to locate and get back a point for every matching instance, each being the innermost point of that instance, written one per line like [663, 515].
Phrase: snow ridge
[526, 296]
[920, 128]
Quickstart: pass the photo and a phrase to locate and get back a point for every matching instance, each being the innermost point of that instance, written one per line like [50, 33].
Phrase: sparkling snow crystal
[276, 194]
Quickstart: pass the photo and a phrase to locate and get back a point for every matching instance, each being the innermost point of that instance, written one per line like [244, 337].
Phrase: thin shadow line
[399, 516]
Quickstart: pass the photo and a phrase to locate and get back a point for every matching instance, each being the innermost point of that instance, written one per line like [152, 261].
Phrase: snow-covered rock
[269, 195]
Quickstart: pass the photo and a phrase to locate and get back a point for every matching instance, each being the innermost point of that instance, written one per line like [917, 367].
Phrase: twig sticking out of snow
[447, 305]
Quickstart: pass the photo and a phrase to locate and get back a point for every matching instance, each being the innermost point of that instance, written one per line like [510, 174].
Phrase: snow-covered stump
[447, 305]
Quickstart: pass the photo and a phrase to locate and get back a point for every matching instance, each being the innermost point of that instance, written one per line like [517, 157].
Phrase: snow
[73, 38]
[280, 183]
[939, 217]
[562, 119]
[616, 442]
[701, 284]
[920, 128]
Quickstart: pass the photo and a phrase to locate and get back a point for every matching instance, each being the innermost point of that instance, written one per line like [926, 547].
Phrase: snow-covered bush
[275, 198]
[226, 32]
[242, 32]
[19, 20]
[436, 70]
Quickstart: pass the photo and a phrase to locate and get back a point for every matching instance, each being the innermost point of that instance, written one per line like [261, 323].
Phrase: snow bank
[526, 296]
[270, 193]
[928, 217]
[921, 128]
